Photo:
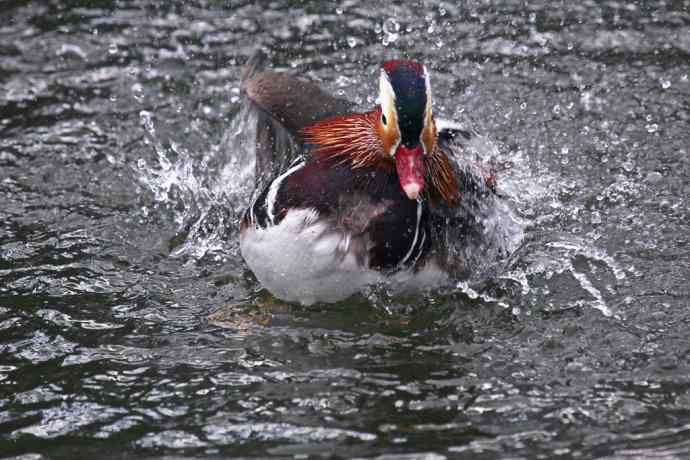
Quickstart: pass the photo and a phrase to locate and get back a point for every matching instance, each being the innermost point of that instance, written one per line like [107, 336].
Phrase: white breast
[303, 259]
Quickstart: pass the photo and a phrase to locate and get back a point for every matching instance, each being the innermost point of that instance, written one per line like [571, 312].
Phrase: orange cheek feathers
[429, 138]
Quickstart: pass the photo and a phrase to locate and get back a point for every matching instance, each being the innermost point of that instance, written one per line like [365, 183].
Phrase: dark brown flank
[355, 138]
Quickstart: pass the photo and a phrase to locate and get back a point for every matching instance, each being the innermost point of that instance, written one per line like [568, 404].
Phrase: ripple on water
[66, 418]
[172, 439]
[246, 432]
[125, 161]
[40, 347]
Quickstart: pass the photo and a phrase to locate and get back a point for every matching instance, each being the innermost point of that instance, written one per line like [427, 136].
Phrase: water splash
[207, 192]
[391, 31]
[517, 247]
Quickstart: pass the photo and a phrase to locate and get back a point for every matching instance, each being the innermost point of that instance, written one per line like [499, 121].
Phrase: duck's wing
[284, 104]
[294, 102]
[449, 131]
[477, 231]
[465, 148]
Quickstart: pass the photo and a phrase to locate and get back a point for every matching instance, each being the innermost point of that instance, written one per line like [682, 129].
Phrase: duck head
[406, 125]
[397, 135]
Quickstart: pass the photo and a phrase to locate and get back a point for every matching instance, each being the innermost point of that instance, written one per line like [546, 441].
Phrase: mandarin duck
[356, 199]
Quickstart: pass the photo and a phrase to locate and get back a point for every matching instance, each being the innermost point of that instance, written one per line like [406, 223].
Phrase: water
[131, 328]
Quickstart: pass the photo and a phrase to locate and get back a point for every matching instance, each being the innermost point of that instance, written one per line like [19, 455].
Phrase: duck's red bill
[411, 170]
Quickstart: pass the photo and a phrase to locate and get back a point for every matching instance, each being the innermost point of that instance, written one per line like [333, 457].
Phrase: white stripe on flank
[427, 109]
[251, 212]
[275, 187]
[421, 249]
[416, 234]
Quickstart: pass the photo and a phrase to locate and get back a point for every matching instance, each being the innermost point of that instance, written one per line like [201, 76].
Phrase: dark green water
[130, 328]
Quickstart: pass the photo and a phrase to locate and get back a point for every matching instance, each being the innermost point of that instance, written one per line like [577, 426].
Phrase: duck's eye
[384, 120]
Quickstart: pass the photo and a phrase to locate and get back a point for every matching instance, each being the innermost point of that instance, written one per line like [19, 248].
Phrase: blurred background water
[130, 327]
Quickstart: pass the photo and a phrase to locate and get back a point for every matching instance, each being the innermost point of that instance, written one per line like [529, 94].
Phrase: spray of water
[207, 192]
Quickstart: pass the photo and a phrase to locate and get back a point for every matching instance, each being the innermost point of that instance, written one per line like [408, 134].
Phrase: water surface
[130, 327]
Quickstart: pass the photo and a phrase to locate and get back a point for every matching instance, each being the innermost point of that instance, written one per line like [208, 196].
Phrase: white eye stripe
[427, 110]
[386, 94]
[387, 99]
[427, 83]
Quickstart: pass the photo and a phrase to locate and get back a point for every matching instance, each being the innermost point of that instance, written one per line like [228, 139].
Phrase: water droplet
[596, 217]
[112, 49]
[523, 106]
[665, 84]
[343, 82]
[391, 30]
[652, 128]
[338, 11]
[465, 288]
[351, 42]
[138, 92]
[146, 119]
[556, 109]
[654, 177]
[586, 100]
